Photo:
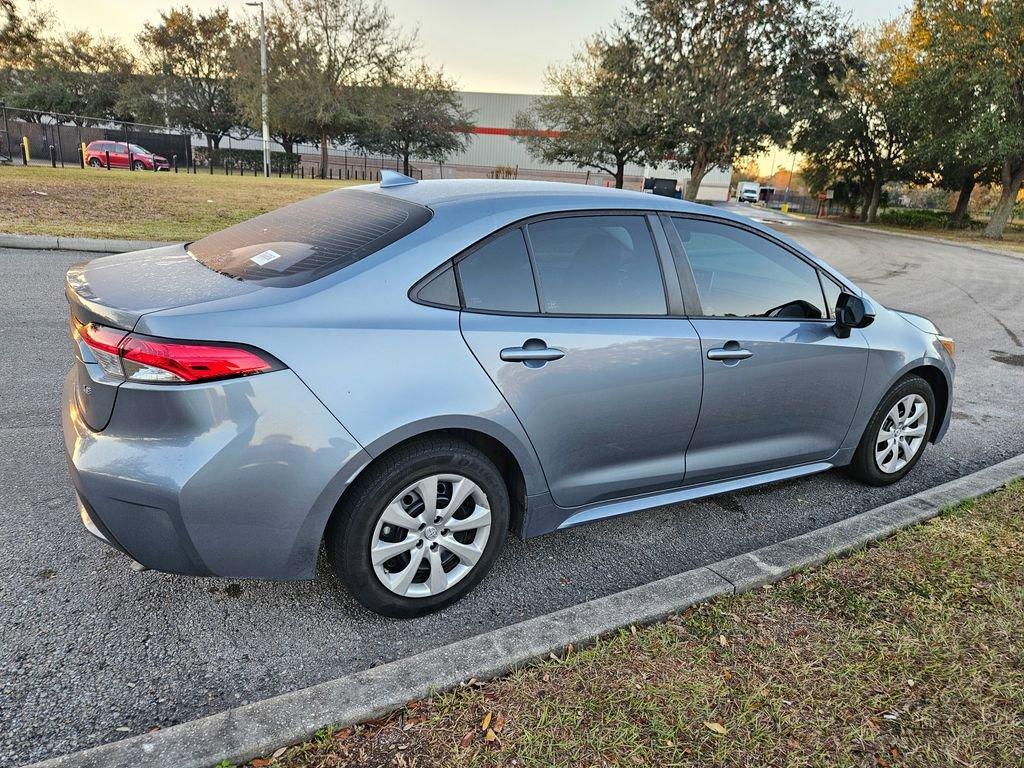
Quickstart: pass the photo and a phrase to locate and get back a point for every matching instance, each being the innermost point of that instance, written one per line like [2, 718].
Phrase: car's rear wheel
[420, 529]
[897, 434]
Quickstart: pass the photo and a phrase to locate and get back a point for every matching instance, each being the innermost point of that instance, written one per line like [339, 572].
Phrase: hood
[919, 322]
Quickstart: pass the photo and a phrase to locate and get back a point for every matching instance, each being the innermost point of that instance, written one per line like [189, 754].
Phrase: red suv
[96, 155]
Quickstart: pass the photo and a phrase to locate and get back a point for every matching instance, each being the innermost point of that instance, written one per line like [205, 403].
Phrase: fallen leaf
[568, 649]
[499, 722]
[466, 739]
[486, 722]
[261, 763]
[716, 728]
[343, 734]
[722, 641]
[727, 674]
[491, 735]
[279, 752]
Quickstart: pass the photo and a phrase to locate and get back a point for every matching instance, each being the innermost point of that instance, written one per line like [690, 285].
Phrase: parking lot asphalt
[91, 651]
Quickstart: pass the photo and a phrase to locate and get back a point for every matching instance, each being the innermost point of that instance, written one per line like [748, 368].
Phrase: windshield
[309, 239]
[137, 150]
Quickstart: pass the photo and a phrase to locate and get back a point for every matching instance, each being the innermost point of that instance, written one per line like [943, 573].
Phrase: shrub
[917, 218]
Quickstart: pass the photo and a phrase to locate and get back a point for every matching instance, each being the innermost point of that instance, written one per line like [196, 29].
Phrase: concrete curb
[257, 729]
[912, 236]
[90, 245]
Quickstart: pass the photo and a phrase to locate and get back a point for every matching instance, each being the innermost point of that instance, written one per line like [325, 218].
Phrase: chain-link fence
[35, 137]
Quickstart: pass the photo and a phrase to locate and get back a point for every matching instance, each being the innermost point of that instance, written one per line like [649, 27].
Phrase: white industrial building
[494, 145]
[492, 151]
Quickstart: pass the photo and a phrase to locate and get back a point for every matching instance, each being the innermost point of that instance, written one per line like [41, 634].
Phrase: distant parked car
[124, 155]
[406, 372]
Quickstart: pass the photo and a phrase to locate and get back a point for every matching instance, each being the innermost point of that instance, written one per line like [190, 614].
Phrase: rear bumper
[233, 478]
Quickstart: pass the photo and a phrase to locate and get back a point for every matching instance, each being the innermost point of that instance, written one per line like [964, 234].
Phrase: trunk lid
[115, 291]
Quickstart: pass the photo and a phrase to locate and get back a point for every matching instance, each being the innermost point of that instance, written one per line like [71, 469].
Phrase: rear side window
[497, 276]
[309, 239]
[741, 274]
[597, 265]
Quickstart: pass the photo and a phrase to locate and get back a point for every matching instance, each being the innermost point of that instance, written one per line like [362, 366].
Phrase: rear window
[309, 239]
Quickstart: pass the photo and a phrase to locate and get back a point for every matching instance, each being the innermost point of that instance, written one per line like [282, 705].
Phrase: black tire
[864, 466]
[138, 165]
[349, 534]
[95, 162]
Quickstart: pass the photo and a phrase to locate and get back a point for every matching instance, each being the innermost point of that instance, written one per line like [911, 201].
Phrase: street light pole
[265, 97]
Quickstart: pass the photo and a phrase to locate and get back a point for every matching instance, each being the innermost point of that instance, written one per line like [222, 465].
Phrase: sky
[484, 46]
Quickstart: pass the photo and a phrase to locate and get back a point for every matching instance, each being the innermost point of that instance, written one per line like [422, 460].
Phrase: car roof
[437, 192]
[481, 197]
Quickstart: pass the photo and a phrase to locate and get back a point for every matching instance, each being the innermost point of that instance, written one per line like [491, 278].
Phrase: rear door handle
[729, 352]
[534, 351]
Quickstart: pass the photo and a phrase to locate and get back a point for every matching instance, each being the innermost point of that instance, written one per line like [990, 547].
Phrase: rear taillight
[165, 361]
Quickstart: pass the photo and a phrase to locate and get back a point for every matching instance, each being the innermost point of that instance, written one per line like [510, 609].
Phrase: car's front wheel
[421, 528]
[138, 165]
[897, 434]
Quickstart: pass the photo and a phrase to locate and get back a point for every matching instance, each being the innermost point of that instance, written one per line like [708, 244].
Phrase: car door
[780, 388]
[118, 154]
[570, 318]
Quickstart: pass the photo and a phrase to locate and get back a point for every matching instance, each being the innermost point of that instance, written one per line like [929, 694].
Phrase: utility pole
[265, 96]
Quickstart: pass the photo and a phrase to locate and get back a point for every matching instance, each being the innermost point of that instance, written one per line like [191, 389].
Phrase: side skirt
[603, 510]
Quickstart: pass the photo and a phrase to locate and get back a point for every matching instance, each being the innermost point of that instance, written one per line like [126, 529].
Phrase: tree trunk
[1008, 196]
[866, 184]
[405, 162]
[698, 171]
[876, 198]
[323, 155]
[956, 221]
[620, 173]
[287, 145]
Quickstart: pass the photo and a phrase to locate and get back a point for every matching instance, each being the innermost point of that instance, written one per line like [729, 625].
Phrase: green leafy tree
[188, 58]
[599, 114]
[981, 42]
[420, 115]
[866, 124]
[348, 49]
[288, 59]
[727, 77]
[77, 74]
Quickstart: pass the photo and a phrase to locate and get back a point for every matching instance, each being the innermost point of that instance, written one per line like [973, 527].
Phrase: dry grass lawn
[128, 205]
[910, 653]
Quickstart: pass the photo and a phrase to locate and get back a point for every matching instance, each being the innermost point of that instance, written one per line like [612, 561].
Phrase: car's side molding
[569, 518]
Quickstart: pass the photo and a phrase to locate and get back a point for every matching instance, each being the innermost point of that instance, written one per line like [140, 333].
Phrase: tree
[980, 41]
[189, 59]
[599, 115]
[420, 115]
[76, 74]
[725, 77]
[288, 59]
[348, 48]
[866, 123]
[19, 30]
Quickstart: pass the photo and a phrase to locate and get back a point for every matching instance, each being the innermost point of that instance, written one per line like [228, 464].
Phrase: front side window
[497, 277]
[741, 274]
[597, 265]
[832, 290]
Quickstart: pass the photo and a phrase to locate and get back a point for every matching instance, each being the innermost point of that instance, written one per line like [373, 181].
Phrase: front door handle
[534, 352]
[731, 351]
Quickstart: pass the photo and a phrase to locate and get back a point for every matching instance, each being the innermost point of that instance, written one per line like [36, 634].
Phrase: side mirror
[852, 312]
